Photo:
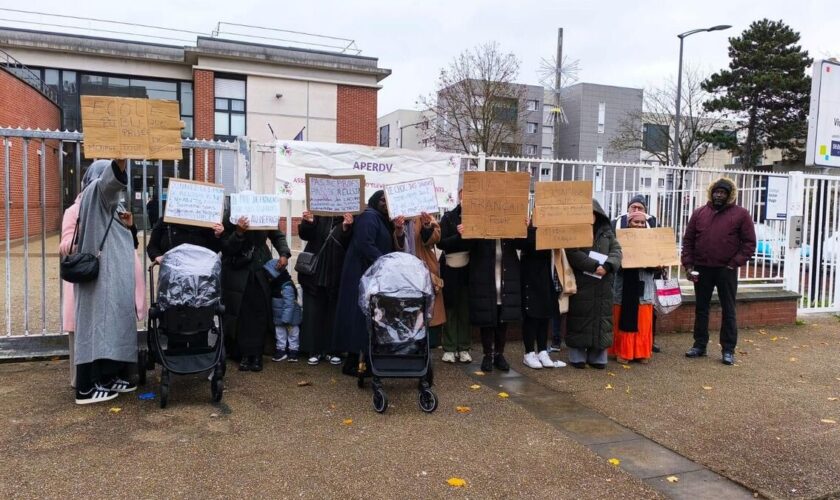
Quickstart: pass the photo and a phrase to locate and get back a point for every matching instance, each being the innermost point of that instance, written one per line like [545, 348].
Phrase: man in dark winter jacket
[719, 239]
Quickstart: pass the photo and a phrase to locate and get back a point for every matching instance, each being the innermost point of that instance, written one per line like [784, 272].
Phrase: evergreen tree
[765, 86]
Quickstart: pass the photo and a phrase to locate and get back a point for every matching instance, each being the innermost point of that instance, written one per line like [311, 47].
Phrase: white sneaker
[314, 360]
[559, 364]
[531, 361]
[464, 357]
[335, 360]
[545, 359]
[448, 357]
[122, 386]
[96, 395]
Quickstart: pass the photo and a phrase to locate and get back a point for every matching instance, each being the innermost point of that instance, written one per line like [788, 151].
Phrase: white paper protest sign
[328, 195]
[411, 198]
[262, 210]
[194, 203]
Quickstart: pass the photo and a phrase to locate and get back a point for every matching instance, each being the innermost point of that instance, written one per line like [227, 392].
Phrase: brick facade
[204, 96]
[751, 313]
[23, 106]
[356, 115]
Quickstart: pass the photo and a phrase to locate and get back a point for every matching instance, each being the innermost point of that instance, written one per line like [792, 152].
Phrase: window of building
[230, 107]
[186, 101]
[545, 173]
[532, 104]
[655, 137]
[547, 152]
[530, 149]
[384, 136]
[602, 116]
[532, 127]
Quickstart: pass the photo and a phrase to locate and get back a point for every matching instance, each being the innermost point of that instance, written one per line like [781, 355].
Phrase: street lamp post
[405, 127]
[682, 36]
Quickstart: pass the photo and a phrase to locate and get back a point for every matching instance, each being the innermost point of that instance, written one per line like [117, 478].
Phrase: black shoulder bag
[307, 262]
[82, 267]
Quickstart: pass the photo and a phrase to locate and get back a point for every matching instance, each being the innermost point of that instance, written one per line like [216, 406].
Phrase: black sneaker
[580, 365]
[656, 348]
[487, 363]
[279, 355]
[122, 386]
[501, 363]
[245, 364]
[695, 352]
[98, 394]
[728, 358]
[256, 363]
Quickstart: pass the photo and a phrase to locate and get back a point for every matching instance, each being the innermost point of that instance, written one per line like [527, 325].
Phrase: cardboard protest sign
[122, 127]
[565, 236]
[563, 214]
[650, 247]
[495, 204]
[194, 203]
[328, 195]
[411, 198]
[262, 210]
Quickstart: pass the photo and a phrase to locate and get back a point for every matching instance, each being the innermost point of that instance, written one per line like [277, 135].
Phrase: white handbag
[668, 296]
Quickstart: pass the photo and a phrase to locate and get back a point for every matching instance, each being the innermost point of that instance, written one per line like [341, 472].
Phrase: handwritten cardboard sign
[411, 198]
[122, 127]
[194, 203]
[651, 247]
[565, 236]
[328, 195]
[495, 204]
[262, 210]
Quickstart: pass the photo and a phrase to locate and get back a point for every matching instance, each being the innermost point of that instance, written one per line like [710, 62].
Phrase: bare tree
[657, 120]
[477, 104]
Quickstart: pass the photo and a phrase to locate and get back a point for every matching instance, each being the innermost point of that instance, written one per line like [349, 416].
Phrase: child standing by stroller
[287, 313]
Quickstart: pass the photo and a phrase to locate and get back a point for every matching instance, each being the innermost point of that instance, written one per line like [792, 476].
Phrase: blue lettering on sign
[835, 148]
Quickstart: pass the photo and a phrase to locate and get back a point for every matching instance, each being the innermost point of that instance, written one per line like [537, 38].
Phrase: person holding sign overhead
[326, 238]
[633, 293]
[590, 330]
[373, 236]
[245, 289]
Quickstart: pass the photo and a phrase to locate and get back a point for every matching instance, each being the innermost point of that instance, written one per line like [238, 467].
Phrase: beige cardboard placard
[563, 193]
[558, 215]
[332, 195]
[194, 203]
[122, 127]
[564, 236]
[650, 247]
[495, 204]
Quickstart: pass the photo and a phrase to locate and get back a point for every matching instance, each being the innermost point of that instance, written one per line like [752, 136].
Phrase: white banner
[380, 166]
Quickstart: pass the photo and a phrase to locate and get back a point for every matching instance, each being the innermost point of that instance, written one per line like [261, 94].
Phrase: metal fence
[32, 294]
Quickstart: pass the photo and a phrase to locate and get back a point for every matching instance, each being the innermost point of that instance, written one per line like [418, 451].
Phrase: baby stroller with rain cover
[185, 333]
[397, 297]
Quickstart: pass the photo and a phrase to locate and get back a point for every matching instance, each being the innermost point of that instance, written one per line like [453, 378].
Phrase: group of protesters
[486, 284]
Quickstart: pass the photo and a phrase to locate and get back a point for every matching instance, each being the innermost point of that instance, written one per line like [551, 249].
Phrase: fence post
[654, 192]
[482, 159]
[795, 199]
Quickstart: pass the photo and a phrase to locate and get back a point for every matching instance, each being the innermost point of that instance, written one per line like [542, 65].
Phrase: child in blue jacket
[287, 316]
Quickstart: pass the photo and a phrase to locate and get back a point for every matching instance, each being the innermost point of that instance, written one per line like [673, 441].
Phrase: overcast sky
[617, 42]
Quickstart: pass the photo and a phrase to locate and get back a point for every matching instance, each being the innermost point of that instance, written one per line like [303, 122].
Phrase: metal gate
[42, 173]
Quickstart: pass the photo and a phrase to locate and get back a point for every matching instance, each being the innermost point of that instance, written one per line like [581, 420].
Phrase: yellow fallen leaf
[609, 387]
[626, 367]
[627, 391]
[611, 374]
[456, 482]
[304, 383]
[707, 387]
[792, 360]
[762, 332]
[479, 373]
[463, 409]
[115, 410]
[475, 386]
[672, 479]
[828, 421]
[832, 399]
[614, 461]
[348, 421]
[774, 339]
[504, 395]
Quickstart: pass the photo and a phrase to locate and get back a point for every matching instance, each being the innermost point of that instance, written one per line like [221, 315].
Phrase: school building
[226, 89]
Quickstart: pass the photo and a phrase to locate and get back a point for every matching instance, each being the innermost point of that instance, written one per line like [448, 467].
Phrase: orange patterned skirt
[633, 345]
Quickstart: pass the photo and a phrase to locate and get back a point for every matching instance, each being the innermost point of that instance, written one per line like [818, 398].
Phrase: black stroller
[184, 333]
[397, 296]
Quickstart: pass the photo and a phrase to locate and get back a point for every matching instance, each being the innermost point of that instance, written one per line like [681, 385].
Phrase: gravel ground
[760, 422]
[273, 438]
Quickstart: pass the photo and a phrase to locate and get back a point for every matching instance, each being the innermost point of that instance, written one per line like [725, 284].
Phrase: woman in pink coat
[68, 227]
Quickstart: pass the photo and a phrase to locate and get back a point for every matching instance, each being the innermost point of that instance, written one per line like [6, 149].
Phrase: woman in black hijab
[373, 236]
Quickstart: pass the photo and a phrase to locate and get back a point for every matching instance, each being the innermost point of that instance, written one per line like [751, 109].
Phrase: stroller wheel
[427, 400]
[141, 367]
[380, 401]
[217, 389]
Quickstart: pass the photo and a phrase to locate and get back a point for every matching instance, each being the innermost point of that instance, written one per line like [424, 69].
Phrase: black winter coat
[330, 256]
[539, 298]
[589, 321]
[166, 236]
[483, 307]
[451, 242]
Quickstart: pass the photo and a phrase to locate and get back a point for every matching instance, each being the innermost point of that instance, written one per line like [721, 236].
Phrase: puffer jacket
[589, 321]
[718, 238]
[285, 308]
[484, 312]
